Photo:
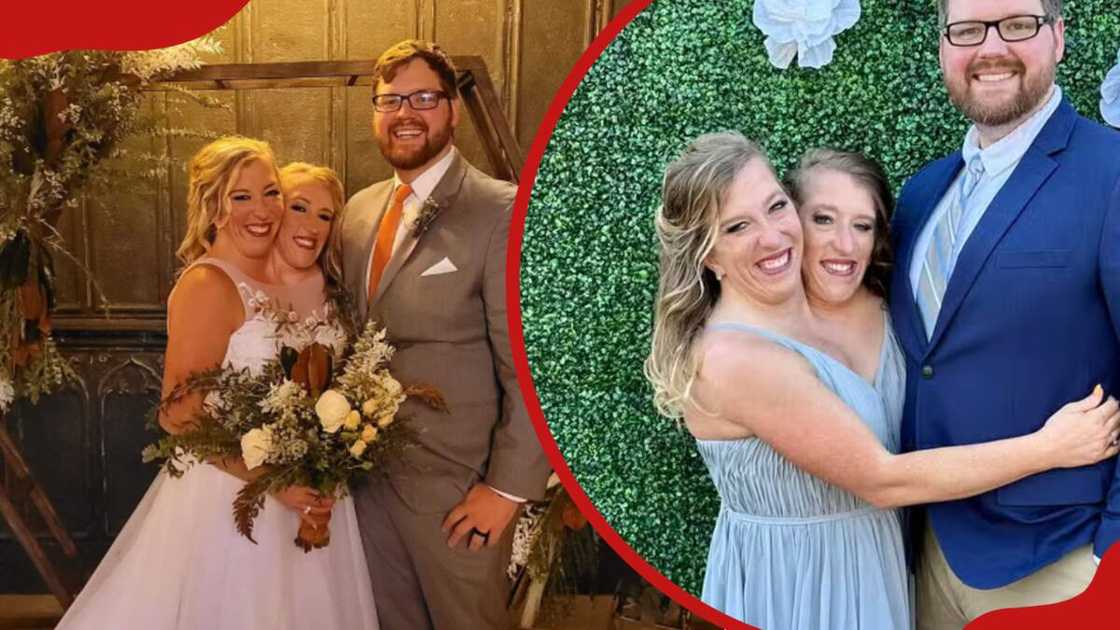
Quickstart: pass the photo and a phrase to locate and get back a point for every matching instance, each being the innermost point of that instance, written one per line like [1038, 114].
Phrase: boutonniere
[425, 217]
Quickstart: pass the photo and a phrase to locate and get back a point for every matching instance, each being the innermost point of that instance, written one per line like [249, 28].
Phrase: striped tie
[944, 248]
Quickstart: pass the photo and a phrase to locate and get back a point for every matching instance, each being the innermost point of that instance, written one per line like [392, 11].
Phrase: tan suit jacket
[450, 331]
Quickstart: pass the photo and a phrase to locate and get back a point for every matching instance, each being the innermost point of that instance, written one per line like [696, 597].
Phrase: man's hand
[481, 518]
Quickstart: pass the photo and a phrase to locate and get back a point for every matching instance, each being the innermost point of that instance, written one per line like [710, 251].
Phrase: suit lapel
[443, 196]
[1033, 170]
[911, 330]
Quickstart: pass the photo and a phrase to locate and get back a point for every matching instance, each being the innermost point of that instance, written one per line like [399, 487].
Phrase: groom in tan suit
[424, 255]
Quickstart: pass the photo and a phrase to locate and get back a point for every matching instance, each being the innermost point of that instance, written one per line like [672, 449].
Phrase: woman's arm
[775, 394]
[203, 313]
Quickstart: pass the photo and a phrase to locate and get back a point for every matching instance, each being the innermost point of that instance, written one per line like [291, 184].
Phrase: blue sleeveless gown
[791, 551]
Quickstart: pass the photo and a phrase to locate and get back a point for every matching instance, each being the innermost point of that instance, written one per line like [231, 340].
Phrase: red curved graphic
[517, 336]
[1081, 610]
[37, 28]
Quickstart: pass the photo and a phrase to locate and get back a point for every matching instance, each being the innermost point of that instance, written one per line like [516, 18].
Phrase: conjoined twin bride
[179, 562]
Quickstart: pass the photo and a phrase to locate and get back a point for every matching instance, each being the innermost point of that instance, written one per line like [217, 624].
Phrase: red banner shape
[37, 28]
[517, 335]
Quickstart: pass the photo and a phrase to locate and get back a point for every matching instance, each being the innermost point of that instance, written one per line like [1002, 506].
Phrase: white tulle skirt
[179, 563]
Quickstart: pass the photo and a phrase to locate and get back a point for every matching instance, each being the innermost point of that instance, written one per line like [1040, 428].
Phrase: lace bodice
[277, 316]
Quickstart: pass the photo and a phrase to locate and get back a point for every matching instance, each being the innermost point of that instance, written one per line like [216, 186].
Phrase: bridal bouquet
[295, 422]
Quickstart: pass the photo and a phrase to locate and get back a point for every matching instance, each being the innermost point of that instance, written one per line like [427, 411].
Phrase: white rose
[256, 445]
[353, 419]
[357, 448]
[332, 409]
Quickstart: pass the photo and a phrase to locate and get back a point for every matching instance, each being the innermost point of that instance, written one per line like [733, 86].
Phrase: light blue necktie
[944, 248]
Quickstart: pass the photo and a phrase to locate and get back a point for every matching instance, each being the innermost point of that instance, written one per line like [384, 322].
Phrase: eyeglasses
[422, 99]
[1016, 28]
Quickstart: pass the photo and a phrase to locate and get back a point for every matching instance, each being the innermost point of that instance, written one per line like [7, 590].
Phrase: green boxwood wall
[682, 68]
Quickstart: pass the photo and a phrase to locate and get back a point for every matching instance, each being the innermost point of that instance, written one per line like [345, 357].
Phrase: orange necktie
[386, 234]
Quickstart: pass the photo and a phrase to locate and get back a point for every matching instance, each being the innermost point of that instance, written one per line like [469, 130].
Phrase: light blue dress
[792, 552]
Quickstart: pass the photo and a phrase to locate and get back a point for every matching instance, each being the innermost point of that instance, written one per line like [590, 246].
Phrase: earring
[719, 275]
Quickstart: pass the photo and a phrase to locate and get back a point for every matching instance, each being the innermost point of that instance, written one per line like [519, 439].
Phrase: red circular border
[517, 336]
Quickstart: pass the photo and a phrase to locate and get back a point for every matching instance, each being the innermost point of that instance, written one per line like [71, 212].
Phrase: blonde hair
[693, 190]
[330, 260]
[211, 173]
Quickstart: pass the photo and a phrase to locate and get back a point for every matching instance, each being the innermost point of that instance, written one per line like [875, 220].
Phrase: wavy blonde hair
[290, 175]
[692, 192]
[211, 173]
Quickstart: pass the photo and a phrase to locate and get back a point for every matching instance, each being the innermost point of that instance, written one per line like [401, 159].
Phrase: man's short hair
[400, 54]
[1050, 8]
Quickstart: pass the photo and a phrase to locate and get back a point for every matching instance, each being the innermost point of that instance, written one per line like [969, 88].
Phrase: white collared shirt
[422, 188]
[999, 160]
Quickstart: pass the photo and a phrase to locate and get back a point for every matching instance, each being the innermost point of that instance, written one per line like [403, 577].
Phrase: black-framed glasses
[1015, 28]
[421, 99]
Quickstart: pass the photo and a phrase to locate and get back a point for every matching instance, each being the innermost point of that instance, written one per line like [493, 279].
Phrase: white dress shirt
[422, 188]
[1000, 160]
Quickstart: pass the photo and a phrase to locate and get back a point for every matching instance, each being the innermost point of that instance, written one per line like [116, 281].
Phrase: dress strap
[243, 283]
[777, 338]
[822, 363]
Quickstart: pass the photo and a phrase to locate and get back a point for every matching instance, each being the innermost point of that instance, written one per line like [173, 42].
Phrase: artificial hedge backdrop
[589, 261]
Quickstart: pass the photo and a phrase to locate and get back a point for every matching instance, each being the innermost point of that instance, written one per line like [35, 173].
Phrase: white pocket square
[443, 266]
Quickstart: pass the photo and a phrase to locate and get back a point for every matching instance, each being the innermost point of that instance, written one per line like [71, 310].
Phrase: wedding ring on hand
[485, 536]
[307, 510]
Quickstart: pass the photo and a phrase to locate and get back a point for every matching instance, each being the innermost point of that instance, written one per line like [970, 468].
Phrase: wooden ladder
[16, 496]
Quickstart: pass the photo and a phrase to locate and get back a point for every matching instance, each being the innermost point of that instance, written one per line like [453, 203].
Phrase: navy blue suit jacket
[1030, 321]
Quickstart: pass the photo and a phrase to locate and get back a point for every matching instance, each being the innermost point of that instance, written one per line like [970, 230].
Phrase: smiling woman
[313, 196]
[226, 311]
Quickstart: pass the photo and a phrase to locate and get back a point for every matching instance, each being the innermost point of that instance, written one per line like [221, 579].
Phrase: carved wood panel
[83, 445]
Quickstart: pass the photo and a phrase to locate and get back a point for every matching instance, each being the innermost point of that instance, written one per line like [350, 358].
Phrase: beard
[410, 158]
[1034, 87]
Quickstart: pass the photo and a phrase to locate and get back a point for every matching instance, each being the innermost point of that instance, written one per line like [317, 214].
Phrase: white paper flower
[1110, 95]
[256, 446]
[803, 28]
[332, 409]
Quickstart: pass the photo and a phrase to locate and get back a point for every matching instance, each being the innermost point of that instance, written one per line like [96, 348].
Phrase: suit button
[927, 371]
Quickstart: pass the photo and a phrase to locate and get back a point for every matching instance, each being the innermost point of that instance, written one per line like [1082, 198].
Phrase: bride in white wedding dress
[179, 562]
